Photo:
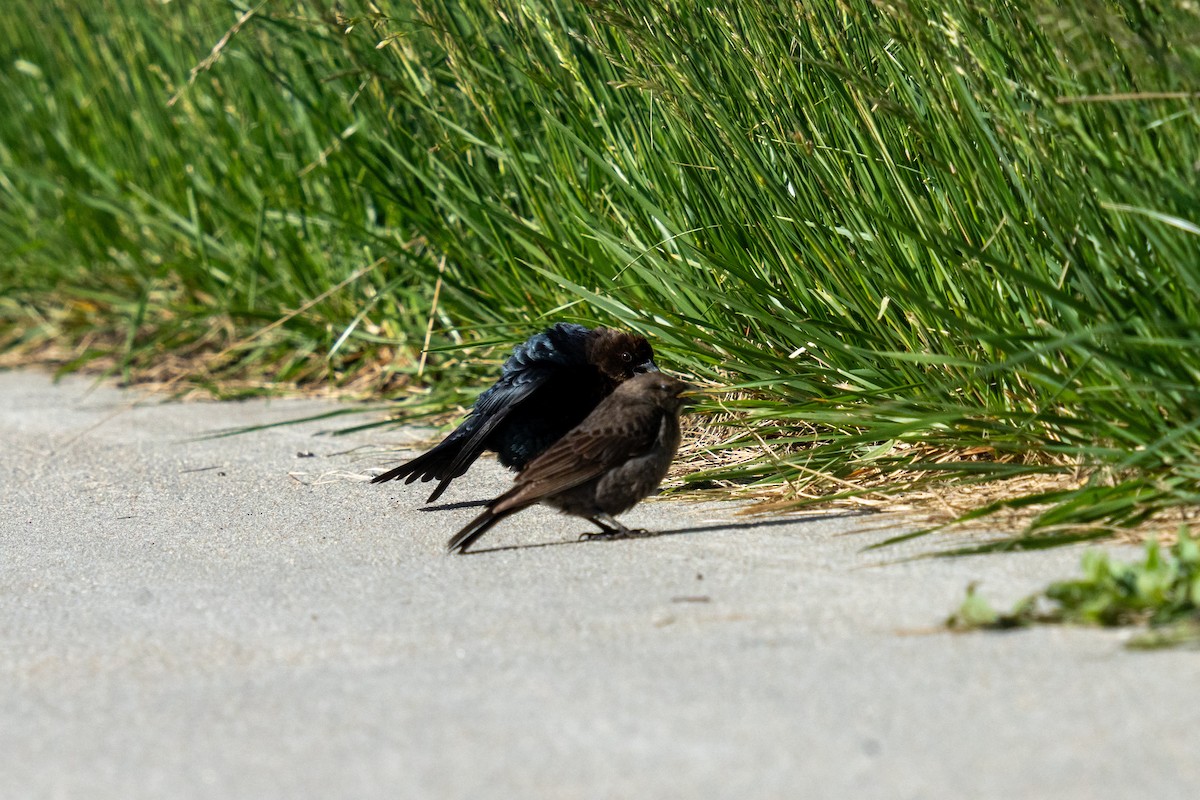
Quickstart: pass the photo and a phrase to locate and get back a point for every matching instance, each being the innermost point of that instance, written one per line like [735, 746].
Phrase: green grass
[905, 230]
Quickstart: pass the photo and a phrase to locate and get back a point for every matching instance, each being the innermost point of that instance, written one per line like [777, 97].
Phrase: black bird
[547, 386]
[605, 466]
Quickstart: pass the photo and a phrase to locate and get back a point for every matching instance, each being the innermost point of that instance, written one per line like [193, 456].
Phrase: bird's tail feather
[434, 464]
[477, 527]
[441, 487]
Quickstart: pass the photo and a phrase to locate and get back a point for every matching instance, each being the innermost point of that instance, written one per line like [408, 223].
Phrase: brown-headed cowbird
[613, 459]
[547, 386]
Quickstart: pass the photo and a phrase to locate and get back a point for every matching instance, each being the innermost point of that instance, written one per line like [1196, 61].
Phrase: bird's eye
[627, 356]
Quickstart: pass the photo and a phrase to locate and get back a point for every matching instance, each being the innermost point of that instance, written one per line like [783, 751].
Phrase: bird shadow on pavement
[724, 526]
[453, 506]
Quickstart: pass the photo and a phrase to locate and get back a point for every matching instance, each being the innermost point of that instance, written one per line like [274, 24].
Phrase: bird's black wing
[530, 365]
[491, 410]
[452, 456]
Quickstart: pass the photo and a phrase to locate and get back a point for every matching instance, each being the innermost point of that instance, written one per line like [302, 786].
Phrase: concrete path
[236, 618]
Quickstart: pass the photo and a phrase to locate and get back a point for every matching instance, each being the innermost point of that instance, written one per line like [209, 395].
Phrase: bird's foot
[611, 529]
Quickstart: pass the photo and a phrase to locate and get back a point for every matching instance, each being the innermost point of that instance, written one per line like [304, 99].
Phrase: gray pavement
[227, 619]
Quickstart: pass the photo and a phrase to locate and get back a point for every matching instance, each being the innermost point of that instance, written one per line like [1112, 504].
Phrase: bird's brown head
[665, 392]
[619, 355]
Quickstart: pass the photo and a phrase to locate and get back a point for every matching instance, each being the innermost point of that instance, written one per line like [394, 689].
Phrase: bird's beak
[689, 394]
[646, 366]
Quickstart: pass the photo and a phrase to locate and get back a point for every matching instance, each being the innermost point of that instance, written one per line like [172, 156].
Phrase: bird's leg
[611, 529]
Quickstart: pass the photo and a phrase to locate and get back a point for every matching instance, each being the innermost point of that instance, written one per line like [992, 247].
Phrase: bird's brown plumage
[604, 466]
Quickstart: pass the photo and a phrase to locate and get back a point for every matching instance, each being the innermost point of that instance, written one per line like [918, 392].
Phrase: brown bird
[547, 386]
[613, 459]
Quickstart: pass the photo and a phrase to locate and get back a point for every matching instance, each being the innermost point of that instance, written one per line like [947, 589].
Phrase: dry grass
[204, 371]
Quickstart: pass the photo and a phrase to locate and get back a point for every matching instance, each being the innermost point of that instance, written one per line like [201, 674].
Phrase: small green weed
[1163, 592]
